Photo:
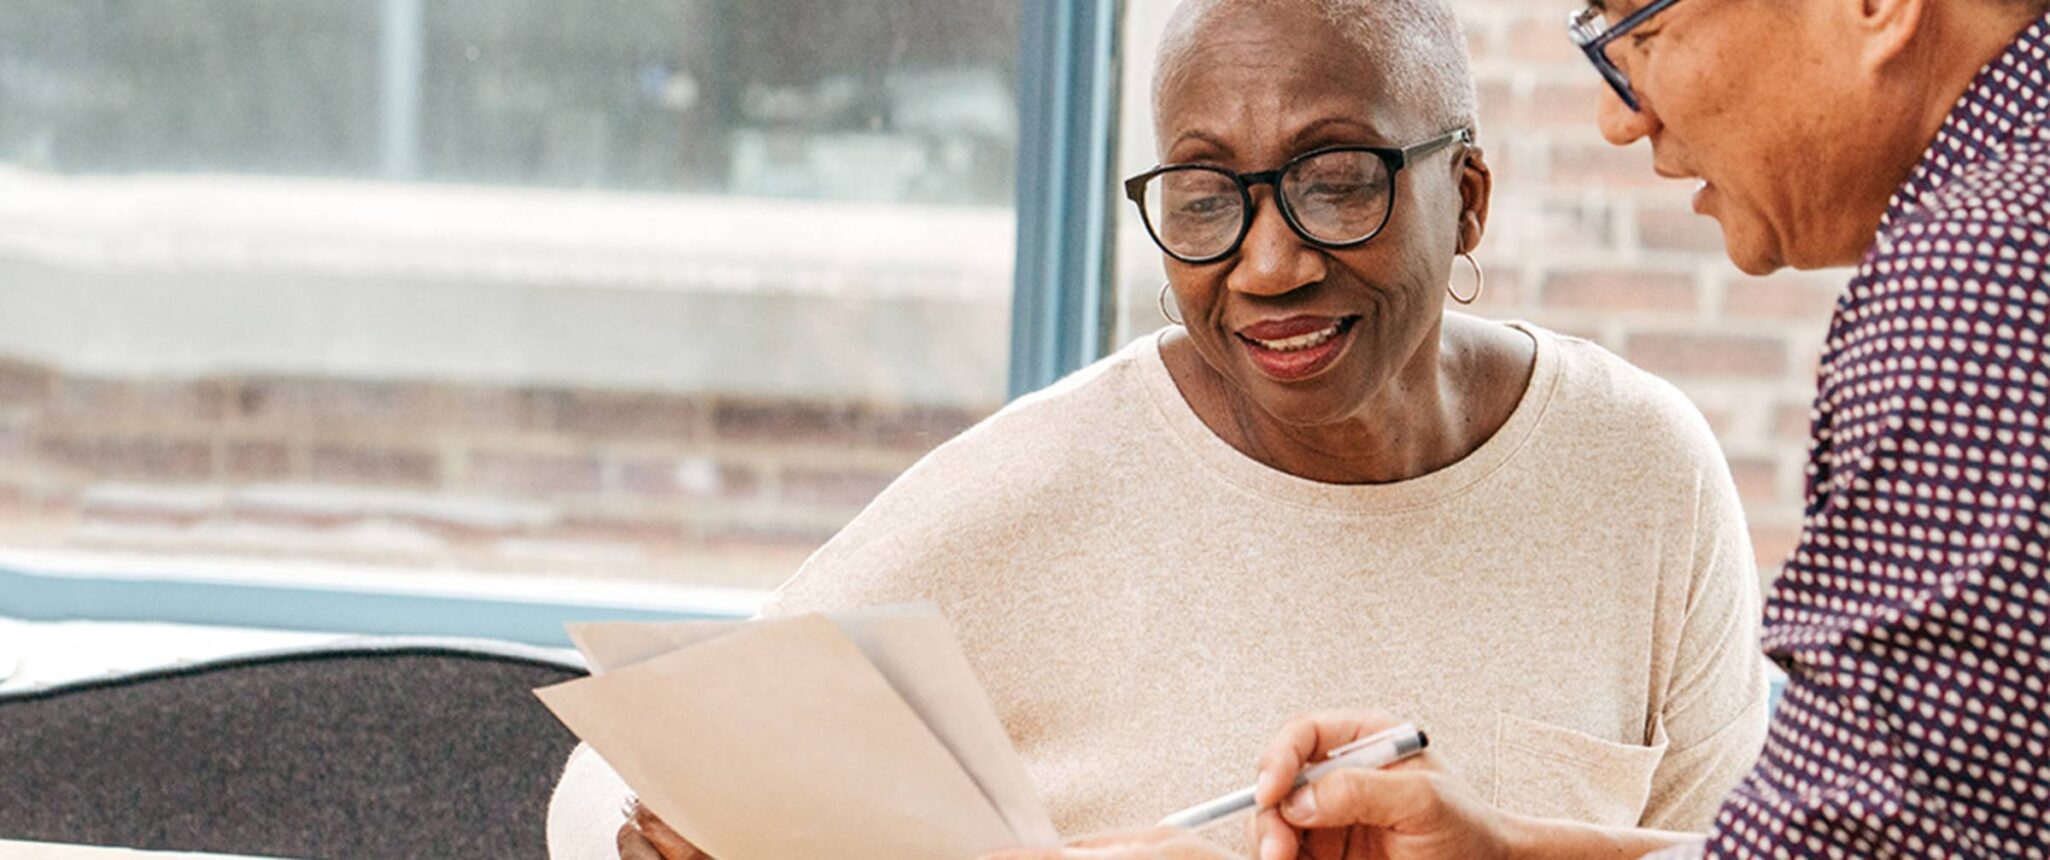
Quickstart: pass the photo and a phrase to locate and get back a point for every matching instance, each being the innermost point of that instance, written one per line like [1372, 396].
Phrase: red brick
[1773, 543]
[132, 457]
[1566, 105]
[616, 415]
[1543, 39]
[1741, 356]
[1502, 290]
[24, 383]
[1792, 421]
[921, 428]
[1563, 225]
[1786, 295]
[652, 532]
[523, 472]
[1610, 290]
[786, 422]
[1507, 111]
[832, 487]
[329, 404]
[764, 536]
[1721, 420]
[382, 466]
[1599, 166]
[1676, 230]
[142, 514]
[1499, 107]
[699, 477]
[1757, 478]
[245, 511]
[261, 461]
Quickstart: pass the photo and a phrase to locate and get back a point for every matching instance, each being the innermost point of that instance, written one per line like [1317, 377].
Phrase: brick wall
[710, 490]
[1588, 240]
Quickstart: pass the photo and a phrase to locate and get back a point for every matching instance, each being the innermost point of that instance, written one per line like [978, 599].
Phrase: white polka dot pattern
[1914, 617]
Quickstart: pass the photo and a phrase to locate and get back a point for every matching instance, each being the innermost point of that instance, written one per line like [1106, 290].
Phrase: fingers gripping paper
[803, 738]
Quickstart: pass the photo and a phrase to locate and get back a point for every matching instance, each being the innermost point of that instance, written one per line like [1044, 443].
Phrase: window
[663, 290]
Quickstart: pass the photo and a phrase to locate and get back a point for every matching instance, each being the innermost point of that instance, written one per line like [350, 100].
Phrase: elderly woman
[1320, 489]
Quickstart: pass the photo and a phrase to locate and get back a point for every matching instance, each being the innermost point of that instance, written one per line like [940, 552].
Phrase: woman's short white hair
[1418, 45]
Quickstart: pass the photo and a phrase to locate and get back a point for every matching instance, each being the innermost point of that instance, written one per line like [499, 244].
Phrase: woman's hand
[1160, 843]
[1411, 810]
[645, 837]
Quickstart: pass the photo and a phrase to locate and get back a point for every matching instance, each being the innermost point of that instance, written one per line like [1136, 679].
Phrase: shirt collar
[2009, 96]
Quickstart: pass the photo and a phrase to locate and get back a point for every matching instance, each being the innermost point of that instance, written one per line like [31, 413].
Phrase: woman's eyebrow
[1201, 137]
[1309, 133]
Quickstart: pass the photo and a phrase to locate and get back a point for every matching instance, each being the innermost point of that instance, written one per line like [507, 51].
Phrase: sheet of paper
[609, 646]
[782, 741]
[916, 650]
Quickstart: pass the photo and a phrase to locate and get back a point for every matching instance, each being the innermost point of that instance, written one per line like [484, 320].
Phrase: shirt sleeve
[1715, 708]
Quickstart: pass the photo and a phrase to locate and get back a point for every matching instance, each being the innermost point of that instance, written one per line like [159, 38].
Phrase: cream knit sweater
[1571, 611]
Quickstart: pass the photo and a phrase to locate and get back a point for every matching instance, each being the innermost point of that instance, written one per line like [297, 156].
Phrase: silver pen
[1377, 750]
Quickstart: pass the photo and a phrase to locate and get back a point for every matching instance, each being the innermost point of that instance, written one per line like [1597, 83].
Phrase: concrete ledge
[154, 276]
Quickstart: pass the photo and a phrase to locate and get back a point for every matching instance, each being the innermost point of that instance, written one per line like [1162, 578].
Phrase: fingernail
[1266, 783]
[1271, 849]
[1302, 804]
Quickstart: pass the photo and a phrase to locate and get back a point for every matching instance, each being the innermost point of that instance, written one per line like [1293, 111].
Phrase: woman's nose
[1623, 126]
[1273, 260]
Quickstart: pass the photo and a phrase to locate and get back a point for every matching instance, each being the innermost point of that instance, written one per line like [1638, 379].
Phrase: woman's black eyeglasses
[1591, 31]
[1336, 197]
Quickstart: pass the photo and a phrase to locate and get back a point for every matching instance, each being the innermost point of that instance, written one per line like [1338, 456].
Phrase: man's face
[1757, 100]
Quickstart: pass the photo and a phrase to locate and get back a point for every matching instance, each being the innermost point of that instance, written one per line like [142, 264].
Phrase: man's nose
[1623, 126]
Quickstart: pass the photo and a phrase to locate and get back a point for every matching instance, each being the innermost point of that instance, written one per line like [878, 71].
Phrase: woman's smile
[1296, 348]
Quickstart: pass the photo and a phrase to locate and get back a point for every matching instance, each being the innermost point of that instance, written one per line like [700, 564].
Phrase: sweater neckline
[1211, 452]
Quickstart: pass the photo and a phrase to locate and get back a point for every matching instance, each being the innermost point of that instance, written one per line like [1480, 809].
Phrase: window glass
[655, 289]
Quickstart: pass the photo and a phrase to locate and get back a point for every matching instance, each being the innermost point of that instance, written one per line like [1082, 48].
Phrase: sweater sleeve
[584, 812]
[1714, 712]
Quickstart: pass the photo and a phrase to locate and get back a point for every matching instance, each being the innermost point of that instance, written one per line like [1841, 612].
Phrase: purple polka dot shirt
[1914, 617]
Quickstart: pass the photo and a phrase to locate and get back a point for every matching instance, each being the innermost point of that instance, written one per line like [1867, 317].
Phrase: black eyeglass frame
[1393, 159]
[1592, 35]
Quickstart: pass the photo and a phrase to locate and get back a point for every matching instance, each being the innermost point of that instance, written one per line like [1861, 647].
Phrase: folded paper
[864, 735]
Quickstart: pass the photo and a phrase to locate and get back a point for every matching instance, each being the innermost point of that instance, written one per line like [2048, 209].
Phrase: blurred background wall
[650, 289]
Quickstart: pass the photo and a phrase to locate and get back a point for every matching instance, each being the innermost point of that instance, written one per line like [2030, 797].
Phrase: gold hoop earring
[1164, 287]
[1480, 282]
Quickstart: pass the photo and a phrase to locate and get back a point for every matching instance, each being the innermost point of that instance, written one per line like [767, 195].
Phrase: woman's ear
[1476, 188]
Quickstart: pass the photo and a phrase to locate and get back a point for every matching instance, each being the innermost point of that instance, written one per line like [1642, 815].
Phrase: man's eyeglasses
[1591, 31]
[1337, 197]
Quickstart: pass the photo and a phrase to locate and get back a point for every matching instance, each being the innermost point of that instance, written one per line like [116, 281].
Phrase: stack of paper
[860, 735]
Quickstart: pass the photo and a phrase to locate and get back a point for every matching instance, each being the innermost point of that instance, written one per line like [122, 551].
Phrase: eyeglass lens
[1337, 198]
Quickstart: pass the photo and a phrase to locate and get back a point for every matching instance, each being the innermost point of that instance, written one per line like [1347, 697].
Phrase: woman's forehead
[1276, 104]
[1268, 64]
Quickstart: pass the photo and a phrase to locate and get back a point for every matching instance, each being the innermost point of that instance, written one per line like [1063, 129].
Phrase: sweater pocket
[1555, 772]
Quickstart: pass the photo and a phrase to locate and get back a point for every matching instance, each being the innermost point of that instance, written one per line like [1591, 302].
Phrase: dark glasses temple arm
[1412, 153]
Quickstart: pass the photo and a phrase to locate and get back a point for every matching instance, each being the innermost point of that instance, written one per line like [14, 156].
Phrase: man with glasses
[1908, 138]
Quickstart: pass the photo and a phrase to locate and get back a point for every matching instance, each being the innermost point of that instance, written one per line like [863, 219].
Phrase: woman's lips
[1701, 198]
[1298, 347]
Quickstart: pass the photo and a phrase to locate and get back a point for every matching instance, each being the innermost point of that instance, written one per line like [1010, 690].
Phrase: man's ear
[1886, 29]
[1476, 189]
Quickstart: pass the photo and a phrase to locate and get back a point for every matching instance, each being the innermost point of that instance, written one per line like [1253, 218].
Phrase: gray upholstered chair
[383, 749]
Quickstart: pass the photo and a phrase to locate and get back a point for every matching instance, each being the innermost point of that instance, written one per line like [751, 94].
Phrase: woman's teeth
[1301, 341]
